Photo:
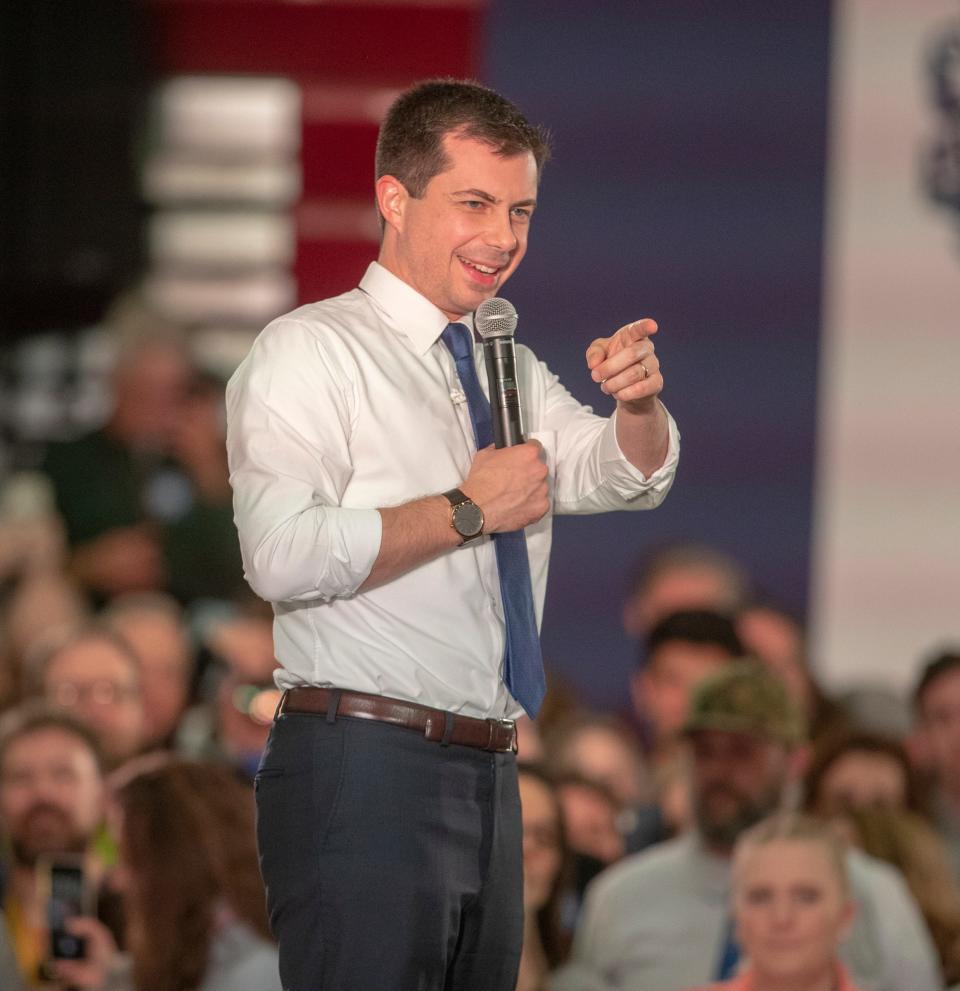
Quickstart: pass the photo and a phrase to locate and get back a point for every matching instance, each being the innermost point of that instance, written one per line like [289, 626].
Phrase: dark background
[686, 184]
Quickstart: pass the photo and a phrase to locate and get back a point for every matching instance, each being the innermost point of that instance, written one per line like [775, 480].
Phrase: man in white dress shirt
[375, 515]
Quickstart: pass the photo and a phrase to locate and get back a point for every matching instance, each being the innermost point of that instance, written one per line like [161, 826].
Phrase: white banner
[886, 558]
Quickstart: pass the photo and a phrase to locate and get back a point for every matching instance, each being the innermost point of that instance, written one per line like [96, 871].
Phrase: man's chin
[723, 829]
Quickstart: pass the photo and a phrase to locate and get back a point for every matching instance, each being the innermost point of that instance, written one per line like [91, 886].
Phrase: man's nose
[500, 234]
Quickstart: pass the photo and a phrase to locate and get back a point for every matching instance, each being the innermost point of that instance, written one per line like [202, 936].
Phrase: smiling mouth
[485, 270]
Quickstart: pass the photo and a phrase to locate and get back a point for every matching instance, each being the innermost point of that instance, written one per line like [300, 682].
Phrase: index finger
[646, 327]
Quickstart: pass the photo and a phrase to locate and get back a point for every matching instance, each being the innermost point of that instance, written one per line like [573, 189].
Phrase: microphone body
[496, 320]
[501, 361]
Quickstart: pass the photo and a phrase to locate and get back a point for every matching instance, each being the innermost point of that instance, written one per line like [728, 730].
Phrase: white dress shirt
[351, 404]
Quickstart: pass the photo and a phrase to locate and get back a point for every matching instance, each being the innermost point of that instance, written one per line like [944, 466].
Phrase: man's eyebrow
[481, 195]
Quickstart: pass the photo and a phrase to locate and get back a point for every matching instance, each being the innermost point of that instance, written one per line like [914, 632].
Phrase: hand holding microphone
[496, 322]
[509, 481]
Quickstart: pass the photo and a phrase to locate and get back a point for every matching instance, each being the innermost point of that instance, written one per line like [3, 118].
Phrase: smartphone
[69, 894]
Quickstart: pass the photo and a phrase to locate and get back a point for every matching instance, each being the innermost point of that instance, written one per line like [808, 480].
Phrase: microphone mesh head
[495, 318]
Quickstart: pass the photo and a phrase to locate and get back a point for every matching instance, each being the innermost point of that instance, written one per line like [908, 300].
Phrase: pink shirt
[744, 982]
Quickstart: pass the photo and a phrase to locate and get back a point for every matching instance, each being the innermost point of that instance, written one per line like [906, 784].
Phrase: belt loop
[447, 729]
[280, 701]
[332, 705]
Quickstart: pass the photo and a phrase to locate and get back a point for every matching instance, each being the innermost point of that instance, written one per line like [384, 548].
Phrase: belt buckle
[511, 725]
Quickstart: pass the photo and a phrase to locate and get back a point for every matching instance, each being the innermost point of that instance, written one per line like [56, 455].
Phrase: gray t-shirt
[658, 921]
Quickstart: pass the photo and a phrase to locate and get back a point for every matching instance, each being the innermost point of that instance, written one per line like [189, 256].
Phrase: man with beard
[51, 802]
[659, 921]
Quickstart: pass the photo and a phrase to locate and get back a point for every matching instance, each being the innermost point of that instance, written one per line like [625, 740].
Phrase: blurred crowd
[733, 825]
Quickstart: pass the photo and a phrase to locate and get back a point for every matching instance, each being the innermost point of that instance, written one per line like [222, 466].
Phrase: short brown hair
[410, 144]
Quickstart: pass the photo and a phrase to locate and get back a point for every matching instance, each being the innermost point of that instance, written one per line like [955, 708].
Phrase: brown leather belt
[498, 735]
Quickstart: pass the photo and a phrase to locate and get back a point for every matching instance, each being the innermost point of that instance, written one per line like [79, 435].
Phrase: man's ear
[392, 198]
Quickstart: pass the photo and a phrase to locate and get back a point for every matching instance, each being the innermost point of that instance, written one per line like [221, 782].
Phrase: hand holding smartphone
[69, 895]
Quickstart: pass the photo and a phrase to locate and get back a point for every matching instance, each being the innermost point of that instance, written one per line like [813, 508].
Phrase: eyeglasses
[259, 702]
[69, 694]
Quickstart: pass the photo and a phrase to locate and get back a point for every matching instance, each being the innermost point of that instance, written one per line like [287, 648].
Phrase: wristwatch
[466, 517]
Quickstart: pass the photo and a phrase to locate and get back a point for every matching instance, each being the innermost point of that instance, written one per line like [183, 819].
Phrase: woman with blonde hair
[792, 907]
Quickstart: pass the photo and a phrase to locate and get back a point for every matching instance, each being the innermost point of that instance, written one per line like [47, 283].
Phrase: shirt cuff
[628, 481]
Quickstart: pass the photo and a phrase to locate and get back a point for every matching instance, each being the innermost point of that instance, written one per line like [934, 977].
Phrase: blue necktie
[522, 662]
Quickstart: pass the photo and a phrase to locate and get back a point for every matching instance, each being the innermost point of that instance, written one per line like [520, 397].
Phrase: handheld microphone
[496, 320]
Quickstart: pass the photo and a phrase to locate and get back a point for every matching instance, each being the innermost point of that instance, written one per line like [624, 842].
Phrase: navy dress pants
[392, 863]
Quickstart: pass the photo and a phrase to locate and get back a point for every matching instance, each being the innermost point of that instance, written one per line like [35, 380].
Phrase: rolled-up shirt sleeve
[592, 474]
[289, 410]
[629, 482]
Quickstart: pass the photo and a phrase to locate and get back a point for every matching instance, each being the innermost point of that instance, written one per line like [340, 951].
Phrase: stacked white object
[222, 178]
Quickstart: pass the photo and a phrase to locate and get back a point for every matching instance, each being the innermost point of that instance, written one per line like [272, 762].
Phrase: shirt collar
[406, 310]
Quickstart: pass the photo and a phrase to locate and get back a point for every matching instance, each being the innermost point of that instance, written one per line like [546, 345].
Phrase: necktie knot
[458, 340]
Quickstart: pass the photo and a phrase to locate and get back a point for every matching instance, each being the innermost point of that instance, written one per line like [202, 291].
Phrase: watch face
[467, 519]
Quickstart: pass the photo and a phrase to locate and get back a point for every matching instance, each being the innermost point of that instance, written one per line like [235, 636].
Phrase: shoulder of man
[870, 877]
[655, 868]
[324, 317]
[288, 341]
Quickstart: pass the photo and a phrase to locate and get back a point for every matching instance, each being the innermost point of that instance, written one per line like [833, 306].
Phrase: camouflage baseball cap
[745, 697]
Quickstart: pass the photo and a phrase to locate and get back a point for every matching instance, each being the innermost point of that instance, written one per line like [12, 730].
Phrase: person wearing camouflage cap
[659, 920]
[745, 734]
[746, 698]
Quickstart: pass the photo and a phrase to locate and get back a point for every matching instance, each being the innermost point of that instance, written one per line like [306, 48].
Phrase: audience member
[188, 873]
[145, 500]
[152, 623]
[680, 651]
[36, 605]
[658, 921]
[51, 803]
[678, 577]
[792, 907]
[908, 842]
[936, 700]
[604, 750]
[241, 697]
[546, 878]
[861, 770]
[594, 832]
[776, 638]
[94, 673]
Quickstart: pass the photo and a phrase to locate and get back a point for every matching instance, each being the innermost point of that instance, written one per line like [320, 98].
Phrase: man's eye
[473, 204]
[522, 212]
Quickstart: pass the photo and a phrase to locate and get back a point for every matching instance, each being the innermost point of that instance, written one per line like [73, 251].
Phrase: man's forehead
[44, 745]
[460, 148]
